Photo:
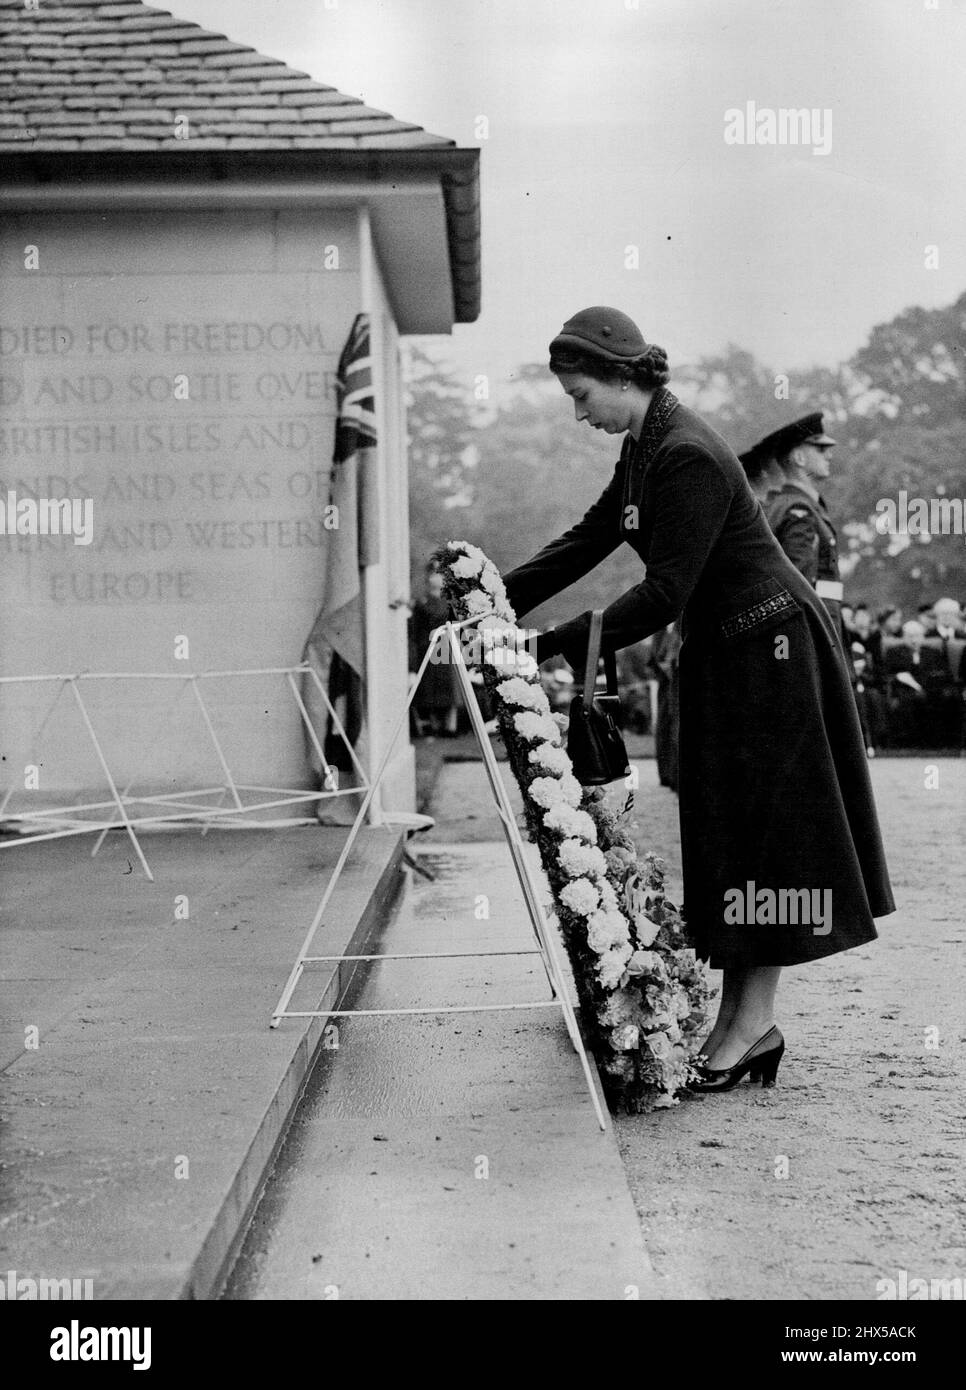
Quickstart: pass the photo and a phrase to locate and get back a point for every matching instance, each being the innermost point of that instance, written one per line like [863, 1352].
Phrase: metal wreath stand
[546, 945]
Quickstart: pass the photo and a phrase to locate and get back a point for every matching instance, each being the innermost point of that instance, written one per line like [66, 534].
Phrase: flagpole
[374, 600]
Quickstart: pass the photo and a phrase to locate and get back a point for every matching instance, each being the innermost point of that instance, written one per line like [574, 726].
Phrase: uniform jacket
[804, 530]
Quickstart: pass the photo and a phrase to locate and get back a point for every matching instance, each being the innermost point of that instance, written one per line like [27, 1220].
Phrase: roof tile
[215, 44]
[98, 131]
[315, 98]
[226, 127]
[61, 144]
[241, 57]
[251, 142]
[389, 127]
[271, 115]
[92, 103]
[293, 84]
[130, 143]
[132, 8]
[112, 75]
[130, 67]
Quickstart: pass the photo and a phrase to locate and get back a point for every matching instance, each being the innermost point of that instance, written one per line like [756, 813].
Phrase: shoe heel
[766, 1068]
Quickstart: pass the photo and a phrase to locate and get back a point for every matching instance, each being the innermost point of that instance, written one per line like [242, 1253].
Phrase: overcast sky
[607, 129]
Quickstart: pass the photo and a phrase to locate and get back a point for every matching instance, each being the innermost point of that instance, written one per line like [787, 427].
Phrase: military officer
[797, 513]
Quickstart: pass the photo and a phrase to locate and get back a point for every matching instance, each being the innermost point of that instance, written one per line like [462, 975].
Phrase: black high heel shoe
[761, 1063]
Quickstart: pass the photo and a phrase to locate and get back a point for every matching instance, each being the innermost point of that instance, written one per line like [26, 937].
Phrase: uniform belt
[830, 588]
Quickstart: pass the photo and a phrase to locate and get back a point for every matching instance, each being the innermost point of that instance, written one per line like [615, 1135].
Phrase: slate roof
[94, 76]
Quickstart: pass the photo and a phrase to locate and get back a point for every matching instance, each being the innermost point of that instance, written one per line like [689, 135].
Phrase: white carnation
[465, 549]
[477, 604]
[525, 664]
[607, 930]
[608, 897]
[526, 694]
[573, 791]
[495, 654]
[491, 581]
[507, 650]
[536, 727]
[576, 858]
[600, 933]
[546, 792]
[581, 896]
[554, 759]
[569, 821]
[465, 567]
[610, 967]
[618, 925]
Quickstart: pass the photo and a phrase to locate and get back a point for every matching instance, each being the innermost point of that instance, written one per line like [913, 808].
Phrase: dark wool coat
[774, 779]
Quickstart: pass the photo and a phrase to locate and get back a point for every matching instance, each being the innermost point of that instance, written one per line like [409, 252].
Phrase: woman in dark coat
[781, 851]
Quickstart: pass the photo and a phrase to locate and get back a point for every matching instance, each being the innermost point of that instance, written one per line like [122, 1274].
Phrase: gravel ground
[851, 1169]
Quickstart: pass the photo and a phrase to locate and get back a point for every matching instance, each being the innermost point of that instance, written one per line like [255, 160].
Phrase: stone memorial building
[188, 232]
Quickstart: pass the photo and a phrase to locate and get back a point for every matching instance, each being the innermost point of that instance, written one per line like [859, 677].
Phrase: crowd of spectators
[909, 674]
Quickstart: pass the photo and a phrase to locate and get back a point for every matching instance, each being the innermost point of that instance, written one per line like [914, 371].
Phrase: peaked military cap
[807, 430]
[604, 332]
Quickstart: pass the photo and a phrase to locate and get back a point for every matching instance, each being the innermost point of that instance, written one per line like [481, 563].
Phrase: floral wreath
[643, 994]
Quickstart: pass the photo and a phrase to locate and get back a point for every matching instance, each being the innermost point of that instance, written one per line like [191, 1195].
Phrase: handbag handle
[593, 657]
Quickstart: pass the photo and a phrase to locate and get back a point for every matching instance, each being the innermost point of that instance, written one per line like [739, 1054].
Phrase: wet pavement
[143, 1090]
[449, 1157]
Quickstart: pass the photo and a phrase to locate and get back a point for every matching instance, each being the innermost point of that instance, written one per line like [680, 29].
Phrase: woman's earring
[624, 386]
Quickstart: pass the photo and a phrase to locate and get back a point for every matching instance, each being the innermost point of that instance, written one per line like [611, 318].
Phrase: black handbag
[594, 740]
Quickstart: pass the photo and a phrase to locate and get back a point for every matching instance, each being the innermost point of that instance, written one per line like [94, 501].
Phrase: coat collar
[656, 422]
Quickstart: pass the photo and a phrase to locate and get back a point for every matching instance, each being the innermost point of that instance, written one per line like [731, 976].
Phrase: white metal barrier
[182, 805]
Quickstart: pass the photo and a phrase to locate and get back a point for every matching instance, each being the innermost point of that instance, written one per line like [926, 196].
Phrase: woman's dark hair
[648, 370]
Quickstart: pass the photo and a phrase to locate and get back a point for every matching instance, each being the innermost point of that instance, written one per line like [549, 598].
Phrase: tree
[916, 365]
[441, 437]
[905, 570]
